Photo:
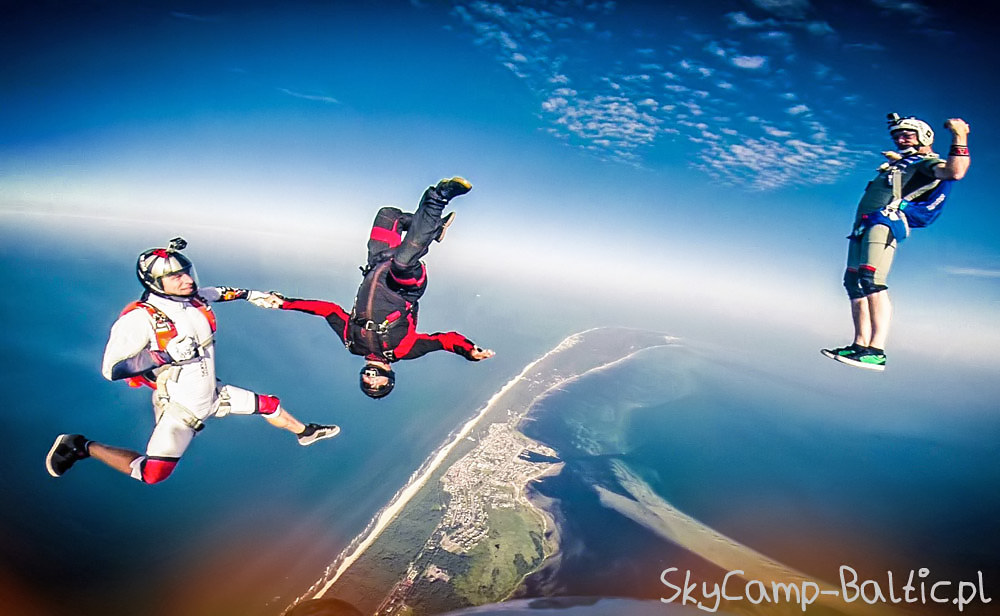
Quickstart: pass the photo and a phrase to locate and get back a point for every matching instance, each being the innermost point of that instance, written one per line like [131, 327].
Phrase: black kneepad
[866, 280]
[852, 285]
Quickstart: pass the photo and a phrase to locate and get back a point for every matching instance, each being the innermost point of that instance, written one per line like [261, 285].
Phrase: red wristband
[959, 150]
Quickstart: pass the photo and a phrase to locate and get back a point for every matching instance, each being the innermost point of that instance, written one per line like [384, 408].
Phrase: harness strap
[182, 414]
[165, 330]
[164, 405]
[922, 190]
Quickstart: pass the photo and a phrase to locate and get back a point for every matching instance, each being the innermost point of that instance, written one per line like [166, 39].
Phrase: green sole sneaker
[838, 352]
[866, 361]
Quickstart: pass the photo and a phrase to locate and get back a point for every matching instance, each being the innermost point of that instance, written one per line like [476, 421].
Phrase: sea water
[769, 461]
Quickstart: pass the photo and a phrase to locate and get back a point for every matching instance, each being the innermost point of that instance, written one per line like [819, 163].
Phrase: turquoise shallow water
[769, 462]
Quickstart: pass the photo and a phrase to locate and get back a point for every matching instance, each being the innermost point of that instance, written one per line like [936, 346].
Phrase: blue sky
[689, 167]
[719, 147]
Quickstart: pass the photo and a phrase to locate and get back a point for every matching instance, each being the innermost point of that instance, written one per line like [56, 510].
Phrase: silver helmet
[155, 263]
[925, 135]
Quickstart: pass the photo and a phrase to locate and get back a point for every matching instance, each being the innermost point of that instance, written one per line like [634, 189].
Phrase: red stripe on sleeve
[314, 306]
[391, 238]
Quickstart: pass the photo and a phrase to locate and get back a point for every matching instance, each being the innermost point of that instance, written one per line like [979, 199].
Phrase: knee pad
[403, 279]
[851, 283]
[866, 280]
[152, 470]
[266, 405]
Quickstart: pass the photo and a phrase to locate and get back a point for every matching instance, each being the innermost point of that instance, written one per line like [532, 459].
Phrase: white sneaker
[317, 432]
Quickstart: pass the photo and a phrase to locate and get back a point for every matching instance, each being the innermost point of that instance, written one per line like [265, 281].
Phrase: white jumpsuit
[187, 393]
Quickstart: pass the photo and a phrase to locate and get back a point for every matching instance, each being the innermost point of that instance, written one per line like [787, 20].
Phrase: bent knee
[153, 470]
[406, 277]
[267, 405]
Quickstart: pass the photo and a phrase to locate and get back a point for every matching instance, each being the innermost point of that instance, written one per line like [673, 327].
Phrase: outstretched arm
[416, 345]
[228, 294]
[336, 316]
[222, 294]
[958, 156]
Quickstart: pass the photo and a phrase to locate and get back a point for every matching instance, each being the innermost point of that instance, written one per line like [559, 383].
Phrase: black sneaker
[316, 432]
[869, 359]
[67, 449]
[449, 189]
[842, 351]
[443, 228]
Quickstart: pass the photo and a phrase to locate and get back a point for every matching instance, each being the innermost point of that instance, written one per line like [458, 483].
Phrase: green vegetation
[516, 543]
[512, 549]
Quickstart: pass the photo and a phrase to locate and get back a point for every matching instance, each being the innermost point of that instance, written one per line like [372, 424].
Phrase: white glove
[264, 300]
[182, 349]
[478, 353]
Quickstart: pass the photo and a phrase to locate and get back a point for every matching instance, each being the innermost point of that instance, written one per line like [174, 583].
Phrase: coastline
[383, 517]
[550, 528]
[604, 348]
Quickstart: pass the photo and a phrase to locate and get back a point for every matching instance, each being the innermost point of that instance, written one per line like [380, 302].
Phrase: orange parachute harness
[165, 331]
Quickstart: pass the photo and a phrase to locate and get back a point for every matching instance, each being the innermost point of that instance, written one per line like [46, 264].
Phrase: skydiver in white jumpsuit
[166, 341]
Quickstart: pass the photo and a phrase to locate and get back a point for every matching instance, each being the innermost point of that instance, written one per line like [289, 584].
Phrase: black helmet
[155, 263]
[373, 369]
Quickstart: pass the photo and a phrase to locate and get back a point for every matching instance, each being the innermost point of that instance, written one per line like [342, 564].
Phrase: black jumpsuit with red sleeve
[383, 323]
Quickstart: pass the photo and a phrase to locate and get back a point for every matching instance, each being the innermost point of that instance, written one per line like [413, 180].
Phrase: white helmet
[925, 136]
[156, 263]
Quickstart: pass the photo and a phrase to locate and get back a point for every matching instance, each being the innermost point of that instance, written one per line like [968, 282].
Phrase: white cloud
[615, 121]
[309, 97]
[971, 271]
[693, 107]
[819, 28]
[554, 104]
[715, 49]
[739, 19]
[776, 37]
[916, 11]
[750, 62]
[865, 46]
[619, 112]
[789, 9]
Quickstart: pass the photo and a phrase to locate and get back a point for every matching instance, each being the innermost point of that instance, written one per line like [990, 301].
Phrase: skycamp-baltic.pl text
[916, 587]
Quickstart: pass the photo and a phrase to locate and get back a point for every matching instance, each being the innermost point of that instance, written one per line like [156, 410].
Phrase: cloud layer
[735, 96]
